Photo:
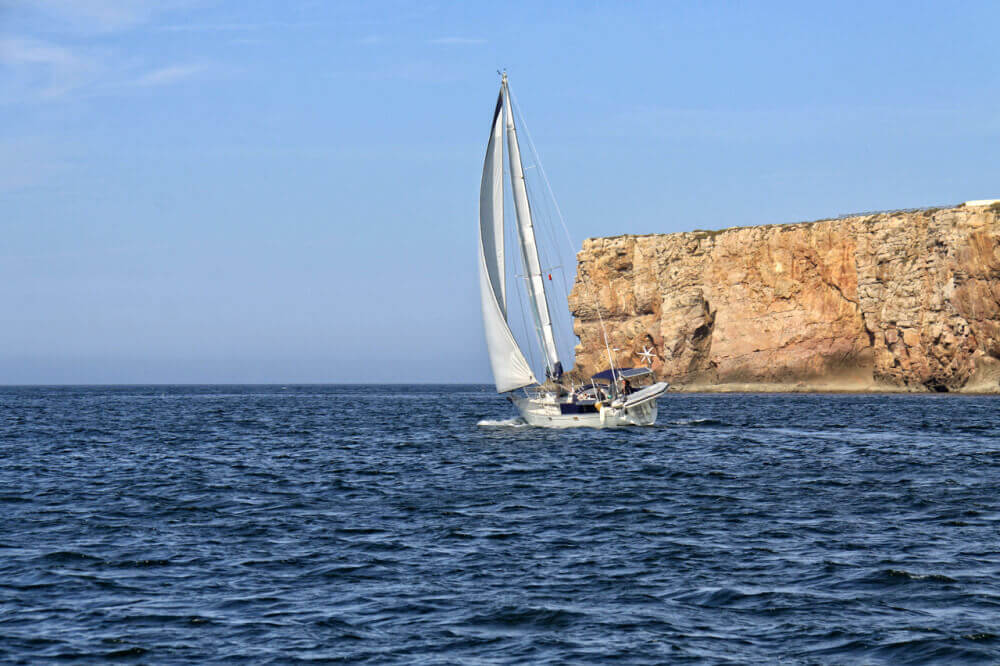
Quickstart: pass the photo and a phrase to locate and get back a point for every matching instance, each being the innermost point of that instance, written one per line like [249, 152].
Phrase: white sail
[529, 249]
[510, 368]
[491, 208]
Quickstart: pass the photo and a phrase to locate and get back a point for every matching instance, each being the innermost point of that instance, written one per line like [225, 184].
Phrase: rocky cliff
[890, 301]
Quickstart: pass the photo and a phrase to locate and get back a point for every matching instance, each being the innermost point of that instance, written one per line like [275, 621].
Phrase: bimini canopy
[607, 377]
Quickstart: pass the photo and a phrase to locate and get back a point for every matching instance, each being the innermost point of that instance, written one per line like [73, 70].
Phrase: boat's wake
[516, 422]
[699, 422]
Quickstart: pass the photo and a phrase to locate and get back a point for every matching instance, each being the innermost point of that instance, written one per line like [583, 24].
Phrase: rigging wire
[541, 169]
[556, 262]
[541, 220]
[512, 240]
[542, 217]
[530, 255]
[562, 220]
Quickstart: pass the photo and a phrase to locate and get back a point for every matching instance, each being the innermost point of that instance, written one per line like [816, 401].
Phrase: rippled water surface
[386, 524]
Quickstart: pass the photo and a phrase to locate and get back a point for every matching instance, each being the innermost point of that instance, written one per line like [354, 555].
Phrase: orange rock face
[893, 301]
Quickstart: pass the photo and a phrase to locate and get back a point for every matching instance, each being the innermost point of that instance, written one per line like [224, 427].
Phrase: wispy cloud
[47, 69]
[457, 41]
[168, 75]
[105, 15]
[209, 27]
[234, 27]
[41, 71]
[34, 69]
[18, 51]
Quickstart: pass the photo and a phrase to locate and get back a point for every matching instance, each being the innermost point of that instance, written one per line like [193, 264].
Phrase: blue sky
[287, 192]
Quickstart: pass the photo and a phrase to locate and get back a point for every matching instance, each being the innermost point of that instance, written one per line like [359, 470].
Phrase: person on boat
[626, 387]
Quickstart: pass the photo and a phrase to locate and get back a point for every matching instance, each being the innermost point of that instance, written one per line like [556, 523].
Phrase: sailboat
[608, 399]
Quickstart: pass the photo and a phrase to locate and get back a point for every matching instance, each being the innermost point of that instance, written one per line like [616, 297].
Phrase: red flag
[550, 277]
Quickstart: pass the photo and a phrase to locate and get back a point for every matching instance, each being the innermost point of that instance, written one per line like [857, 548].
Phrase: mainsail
[529, 249]
[510, 368]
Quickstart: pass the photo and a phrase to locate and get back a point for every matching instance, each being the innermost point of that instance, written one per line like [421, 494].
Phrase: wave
[908, 575]
[538, 617]
[515, 422]
[699, 422]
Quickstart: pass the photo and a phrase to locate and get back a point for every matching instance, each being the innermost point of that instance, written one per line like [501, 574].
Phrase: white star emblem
[647, 355]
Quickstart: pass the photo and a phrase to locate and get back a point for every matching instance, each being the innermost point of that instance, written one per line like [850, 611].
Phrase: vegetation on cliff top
[712, 233]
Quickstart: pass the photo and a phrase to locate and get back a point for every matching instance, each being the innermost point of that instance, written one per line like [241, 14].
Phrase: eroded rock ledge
[892, 301]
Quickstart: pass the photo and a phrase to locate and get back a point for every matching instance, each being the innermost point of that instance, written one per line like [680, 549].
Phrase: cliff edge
[898, 301]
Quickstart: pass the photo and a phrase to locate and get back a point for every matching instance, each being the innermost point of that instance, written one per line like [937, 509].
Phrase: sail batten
[529, 247]
[510, 369]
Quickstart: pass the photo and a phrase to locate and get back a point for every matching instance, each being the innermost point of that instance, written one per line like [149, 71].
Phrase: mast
[529, 249]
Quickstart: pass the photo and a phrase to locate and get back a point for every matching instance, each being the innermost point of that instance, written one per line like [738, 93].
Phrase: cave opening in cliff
[938, 388]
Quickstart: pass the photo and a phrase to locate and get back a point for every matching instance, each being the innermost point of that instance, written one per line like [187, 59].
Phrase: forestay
[529, 249]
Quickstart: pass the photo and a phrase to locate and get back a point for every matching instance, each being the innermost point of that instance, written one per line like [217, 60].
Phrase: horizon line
[94, 384]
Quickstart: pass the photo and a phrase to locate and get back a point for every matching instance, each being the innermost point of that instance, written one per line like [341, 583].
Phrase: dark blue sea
[422, 525]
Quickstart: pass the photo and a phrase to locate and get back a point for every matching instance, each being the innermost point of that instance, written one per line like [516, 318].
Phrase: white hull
[548, 412]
